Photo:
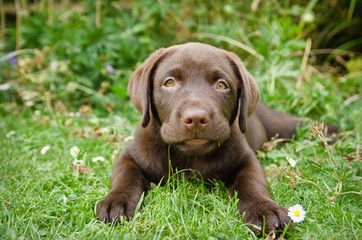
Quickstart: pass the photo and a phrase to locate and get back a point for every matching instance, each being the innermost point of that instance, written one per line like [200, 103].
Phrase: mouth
[196, 142]
[197, 146]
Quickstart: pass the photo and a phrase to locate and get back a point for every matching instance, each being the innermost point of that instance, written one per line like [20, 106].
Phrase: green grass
[43, 197]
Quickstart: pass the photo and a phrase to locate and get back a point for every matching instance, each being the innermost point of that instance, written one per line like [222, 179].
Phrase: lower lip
[196, 142]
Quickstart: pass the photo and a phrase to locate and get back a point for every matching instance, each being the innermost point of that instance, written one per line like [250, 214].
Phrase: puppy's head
[195, 92]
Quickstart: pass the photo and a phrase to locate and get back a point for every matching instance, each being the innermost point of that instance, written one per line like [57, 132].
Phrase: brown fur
[200, 101]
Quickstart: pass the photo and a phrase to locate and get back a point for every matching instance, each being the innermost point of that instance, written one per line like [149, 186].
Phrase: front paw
[264, 213]
[116, 206]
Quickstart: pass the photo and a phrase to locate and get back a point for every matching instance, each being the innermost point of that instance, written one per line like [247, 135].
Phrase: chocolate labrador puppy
[200, 109]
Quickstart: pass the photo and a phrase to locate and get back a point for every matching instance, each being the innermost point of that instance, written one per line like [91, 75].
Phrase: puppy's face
[196, 97]
[195, 92]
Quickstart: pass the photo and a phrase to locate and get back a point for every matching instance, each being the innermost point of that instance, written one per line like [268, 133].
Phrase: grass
[43, 197]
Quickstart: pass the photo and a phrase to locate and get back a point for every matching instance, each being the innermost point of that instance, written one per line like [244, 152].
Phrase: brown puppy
[200, 104]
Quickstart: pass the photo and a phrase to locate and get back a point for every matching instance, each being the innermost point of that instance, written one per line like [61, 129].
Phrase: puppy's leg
[255, 202]
[284, 125]
[277, 123]
[127, 186]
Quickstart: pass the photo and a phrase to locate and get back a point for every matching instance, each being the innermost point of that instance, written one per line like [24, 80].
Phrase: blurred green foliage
[73, 62]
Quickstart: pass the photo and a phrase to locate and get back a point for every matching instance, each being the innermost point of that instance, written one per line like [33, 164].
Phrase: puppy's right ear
[140, 86]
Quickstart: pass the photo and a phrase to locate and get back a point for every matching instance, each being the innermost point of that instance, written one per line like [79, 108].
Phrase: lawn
[68, 88]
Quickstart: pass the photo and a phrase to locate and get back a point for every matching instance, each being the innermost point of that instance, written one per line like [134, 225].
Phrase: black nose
[195, 118]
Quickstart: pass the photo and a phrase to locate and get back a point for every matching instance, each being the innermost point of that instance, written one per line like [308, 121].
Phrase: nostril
[186, 120]
[204, 120]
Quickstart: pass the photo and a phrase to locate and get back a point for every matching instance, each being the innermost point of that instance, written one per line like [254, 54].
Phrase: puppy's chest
[208, 168]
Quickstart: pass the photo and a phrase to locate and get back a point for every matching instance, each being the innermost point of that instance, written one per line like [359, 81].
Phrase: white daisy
[296, 213]
[74, 151]
[78, 162]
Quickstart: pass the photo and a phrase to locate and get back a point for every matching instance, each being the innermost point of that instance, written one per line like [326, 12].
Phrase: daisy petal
[44, 150]
[98, 159]
[291, 161]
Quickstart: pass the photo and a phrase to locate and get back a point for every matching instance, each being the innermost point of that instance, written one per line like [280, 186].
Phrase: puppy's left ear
[140, 86]
[249, 92]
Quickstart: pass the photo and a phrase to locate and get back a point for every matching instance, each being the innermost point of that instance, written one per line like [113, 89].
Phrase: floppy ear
[249, 92]
[140, 86]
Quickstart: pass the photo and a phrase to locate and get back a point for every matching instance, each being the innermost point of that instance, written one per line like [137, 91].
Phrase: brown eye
[222, 85]
[169, 82]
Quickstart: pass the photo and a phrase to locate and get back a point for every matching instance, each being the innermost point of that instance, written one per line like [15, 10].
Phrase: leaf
[120, 91]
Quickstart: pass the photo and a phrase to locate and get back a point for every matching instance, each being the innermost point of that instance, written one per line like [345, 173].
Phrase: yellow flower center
[297, 213]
